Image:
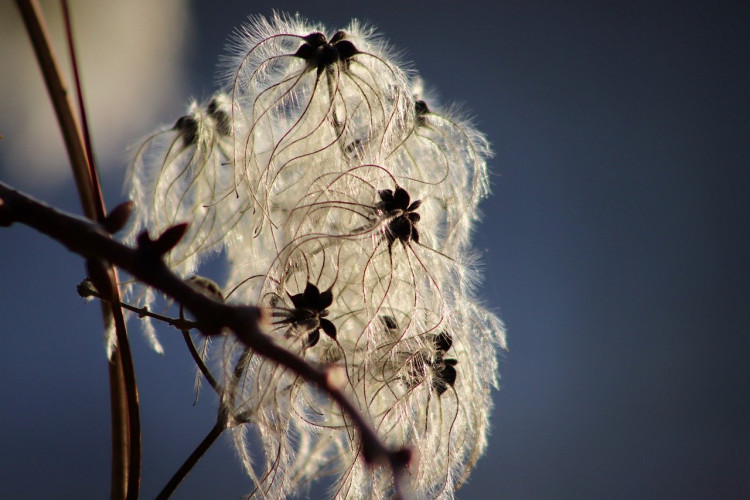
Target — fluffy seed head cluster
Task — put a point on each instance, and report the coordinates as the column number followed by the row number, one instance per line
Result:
column 343, row 202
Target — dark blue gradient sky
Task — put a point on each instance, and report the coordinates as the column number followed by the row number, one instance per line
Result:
column 615, row 248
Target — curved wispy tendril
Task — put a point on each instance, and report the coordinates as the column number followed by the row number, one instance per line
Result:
column 343, row 202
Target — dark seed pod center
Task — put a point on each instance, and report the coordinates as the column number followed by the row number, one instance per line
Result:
column 397, row 204
column 421, row 110
column 320, row 53
column 221, row 118
column 187, row 126
column 309, row 313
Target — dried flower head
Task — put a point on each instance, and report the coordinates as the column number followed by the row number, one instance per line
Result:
column 343, row 203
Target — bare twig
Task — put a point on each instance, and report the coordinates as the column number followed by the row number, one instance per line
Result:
column 33, row 19
column 201, row 366
column 145, row 263
column 179, row 323
column 86, row 289
column 82, row 106
column 197, row 454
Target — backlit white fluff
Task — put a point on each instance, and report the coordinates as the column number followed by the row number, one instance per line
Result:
column 343, row 202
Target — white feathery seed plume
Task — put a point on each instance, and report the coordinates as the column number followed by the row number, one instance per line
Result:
column 343, row 203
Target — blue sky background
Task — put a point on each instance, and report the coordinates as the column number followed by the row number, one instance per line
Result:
column 615, row 245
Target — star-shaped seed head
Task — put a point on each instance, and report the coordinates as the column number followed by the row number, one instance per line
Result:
column 320, row 53
column 309, row 313
column 402, row 225
column 187, row 128
column 221, row 118
column 444, row 373
column 421, row 109
column 442, row 369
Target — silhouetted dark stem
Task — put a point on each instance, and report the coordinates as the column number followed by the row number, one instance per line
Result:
column 212, row 316
column 126, row 431
column 193, row 459
column 201, row 365
column 58, row 93
column 198, row 361
column 87, row 142
column 182, row 324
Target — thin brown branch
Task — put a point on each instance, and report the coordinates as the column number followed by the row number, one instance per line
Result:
column 201, row 366
column 182, row 324
column 126, row 432
column 34, row 21
column 81, row 105
column 195, row 456
column 90, row 240
column 86, row 289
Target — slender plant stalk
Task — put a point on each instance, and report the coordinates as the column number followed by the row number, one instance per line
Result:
column 201, row 365
column 126, row 436
column 200, row 450
column 182, row 324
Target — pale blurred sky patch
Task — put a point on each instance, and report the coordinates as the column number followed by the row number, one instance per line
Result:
column 131, row 57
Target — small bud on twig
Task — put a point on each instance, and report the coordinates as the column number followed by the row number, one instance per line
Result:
column 404, row 458
column 165, row 242
column 86, row 289
column 207, row 287
column 118, row 217
column 336, row 377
